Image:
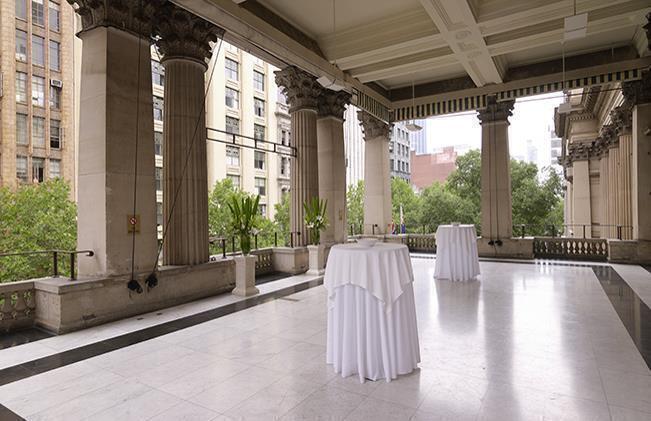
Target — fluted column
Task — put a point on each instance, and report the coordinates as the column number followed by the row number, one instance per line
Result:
column 332, row 163
column 184, row 40
column 116, row 139
column 612, row 153
column 581, row 204
column 377, row 176
column 604, row 179
column 621, row 117
column 496, row 211
column 302, row 92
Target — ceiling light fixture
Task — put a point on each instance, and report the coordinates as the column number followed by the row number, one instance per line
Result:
column 413, row 127
column 327, row 81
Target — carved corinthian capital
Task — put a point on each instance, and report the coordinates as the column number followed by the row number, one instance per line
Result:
column 183, row 34
column 495, row 111
column 622, row 119
column 332, row 103
column 373, row 127
column 609, row 135
column 133, row 16
column 301, row 88
column 638, row 91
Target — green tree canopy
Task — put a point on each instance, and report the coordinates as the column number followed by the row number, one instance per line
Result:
column 355, row 206
column 402, row 194
column 442, row 206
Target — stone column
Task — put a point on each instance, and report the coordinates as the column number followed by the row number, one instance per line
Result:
column 332, row 163
column 638, row 96
column 581, row 196
column 185, row 171
column 302, row 92
column 496, row 212
column 377, row 176
column 116, row 139
column 604, row 179
column 621, row 117
column 567, row 206
column 612, row 154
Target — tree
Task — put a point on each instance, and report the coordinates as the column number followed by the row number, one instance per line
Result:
column 403, row 195
column 442, row 206
column 465, row 180
column 36, row 217
column 355, row 206
column 281, row 219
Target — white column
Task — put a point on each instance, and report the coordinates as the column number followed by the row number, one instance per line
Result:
column 302, row 92
column 116, row 134
column 581, row 195
column 604, row 176
column 332, row 163
column 621, row 117
column 496, row 211
column 185, row 171
column 377, row 176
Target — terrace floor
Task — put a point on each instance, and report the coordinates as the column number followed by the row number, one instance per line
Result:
column 528, row 340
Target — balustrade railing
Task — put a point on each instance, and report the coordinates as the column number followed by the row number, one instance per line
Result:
column 422, row 243
column 264, row 264
column 570, row 248
column 17, row 305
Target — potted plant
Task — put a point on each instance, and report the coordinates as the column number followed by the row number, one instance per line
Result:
column 316, row 220
column 244, row 213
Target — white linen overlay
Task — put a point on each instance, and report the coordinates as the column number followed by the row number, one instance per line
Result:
column 456, row 253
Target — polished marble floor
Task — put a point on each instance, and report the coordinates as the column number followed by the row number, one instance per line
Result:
column 526, row 341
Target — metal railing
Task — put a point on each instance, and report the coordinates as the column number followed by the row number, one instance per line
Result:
column 55, row 258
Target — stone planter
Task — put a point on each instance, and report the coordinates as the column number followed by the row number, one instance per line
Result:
column 245, row 276
column 316, row 260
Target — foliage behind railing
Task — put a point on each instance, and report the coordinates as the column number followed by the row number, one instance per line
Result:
column 39, row 264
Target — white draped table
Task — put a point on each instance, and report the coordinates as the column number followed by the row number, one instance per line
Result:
column 456, row 252
column 372, row 328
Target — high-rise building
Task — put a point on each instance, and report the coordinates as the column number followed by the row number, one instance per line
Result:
column 419, row 139
column 399, row 152
column 36, row 93
column 242, row 99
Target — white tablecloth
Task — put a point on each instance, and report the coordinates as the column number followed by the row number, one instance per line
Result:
column 456, row 252
column 372, row 328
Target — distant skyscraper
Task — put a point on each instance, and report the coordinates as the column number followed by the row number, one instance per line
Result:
column 419, row 139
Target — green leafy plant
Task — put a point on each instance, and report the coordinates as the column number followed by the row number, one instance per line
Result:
column 315, row 218
column 244, row 212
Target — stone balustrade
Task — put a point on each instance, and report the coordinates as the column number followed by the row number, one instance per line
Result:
column 265, row 263
column 570, row 248
column 17, row 305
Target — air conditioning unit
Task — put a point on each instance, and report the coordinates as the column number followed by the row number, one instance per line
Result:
column 56, row 82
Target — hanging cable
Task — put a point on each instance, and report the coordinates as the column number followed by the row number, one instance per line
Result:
column 177, row 189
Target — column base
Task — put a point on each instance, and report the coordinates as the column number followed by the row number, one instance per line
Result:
column 317, row 255
column 245, row 276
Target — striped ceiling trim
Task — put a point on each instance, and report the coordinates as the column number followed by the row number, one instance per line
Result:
column 471, row 103
column 370, row 105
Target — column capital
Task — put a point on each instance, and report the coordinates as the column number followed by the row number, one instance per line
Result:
column 579, row 151
column 609, row 136
column 301, row 88
column 495, row 111
column 622, row 118
column 638, row 91
column 373, row 127
column 183, row 34
column 333, row 103
column 133, row 16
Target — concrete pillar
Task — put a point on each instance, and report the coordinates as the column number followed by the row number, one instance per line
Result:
column 638, row 97
column 302, row 92
column 377, row 177
column 613, row 184
column 332, row 163
column 621, row 117
column 496, row 211
column 567, row 207
column 604, row 179
column 581, row 198
column 116, row 136
column 185, row 171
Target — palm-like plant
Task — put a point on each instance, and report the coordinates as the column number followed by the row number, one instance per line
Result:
column 315, row 217
column 244, row 213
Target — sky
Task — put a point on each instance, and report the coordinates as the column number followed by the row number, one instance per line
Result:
column 532, row 119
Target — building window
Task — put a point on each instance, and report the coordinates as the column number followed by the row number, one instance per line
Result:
column 281, row 97
column 21, row 87
column 258, row 160
column 157, row 73
column 258, row 132
column 261, row 186
column 233, row 156
column 231, row 47
column 284, row 166
column 232, row 98
column 158, row 143
column 55, row 97
column 21, row 168
column 258, row 81
column 258, row 106
column 159, row 214
column 21, row 9
column 21, row 129
column 38, row 132
column 232, row 125
column 262, row 208
column 55, row 134
column 38, row 50
column 38, row 170
column 158, row 108
column 21, row 45
column 235, row 179
column 38, row 15
column 159, row 179
column 231, row 69
column 38, row 91
column 55, row 20
column 55, row 168
column 391, row 164
column 55, row 63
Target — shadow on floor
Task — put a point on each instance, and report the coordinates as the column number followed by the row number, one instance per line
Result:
column 268, row 277
column 7, row 340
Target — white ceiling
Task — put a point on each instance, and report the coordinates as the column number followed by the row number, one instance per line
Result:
column 395, row 42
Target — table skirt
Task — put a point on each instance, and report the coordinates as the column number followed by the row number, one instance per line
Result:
column 456, row 254
column 365, row 339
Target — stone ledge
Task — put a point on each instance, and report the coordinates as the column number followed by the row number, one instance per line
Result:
column 517, row 248
column 290, row 260
column 629, row 251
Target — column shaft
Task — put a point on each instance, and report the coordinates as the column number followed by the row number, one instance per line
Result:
column 377, row 181
column 581, row 195
column 613, row 184
column 185, row 172
column 624, row 188
column 641, row 172
column 115, row 114
column 332, row 176
column 604, row 179
column 496, row 212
